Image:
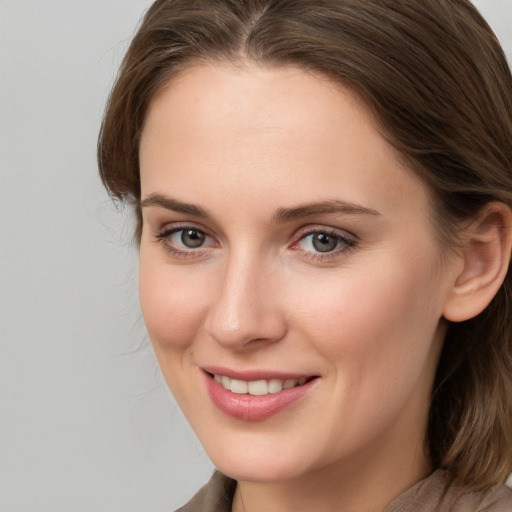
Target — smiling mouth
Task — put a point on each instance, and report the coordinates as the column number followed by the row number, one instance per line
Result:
column 258, row 387
column 257, row 399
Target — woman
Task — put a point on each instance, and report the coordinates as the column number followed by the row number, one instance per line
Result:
column 323, row 192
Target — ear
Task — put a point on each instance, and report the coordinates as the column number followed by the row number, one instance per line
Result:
column 485, row 260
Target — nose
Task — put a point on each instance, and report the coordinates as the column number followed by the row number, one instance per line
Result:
column 246, row 312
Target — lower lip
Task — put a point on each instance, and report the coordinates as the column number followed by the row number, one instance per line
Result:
column 251, row 407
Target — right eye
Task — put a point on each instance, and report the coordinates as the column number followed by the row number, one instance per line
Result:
column 190, row 238
column 185, row 241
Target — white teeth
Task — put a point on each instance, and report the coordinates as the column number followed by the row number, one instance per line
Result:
column 239, row 386
column 257, row 387
column 290, row 383
column 275, row 385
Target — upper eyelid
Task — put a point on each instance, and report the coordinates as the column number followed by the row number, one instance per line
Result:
column 312, row 229
column 173, row 227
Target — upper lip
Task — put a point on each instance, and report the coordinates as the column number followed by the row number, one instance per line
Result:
column 253, row 375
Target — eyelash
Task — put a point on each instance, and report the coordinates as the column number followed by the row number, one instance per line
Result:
column 347, row 243
column 163, row 238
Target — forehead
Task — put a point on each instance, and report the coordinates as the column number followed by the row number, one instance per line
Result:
column 265, row 128
column 251, row 101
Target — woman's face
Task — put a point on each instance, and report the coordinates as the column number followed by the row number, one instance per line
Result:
column 283, row 240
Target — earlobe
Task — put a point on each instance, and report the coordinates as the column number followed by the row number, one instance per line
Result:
column 486, row 256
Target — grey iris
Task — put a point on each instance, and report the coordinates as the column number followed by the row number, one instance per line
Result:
column 324, row 243
column 192, row 238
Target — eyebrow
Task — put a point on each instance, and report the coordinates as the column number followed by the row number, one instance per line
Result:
column 281, row 215
column 174, row 205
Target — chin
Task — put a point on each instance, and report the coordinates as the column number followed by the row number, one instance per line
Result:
column 257, row 461
column 264, row 471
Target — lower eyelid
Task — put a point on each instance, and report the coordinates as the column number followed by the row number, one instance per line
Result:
column 181, row 253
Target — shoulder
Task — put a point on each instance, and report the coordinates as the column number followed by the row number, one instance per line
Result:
column 435, row 493
column 438, row 493
column 215, row 496
column 498, row 499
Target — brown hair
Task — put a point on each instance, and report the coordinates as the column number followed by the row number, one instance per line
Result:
column 438, row 83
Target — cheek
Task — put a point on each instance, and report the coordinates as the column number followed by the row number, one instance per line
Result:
column 378, row 333
column 382, row 321
column 173, row 302
column 173, row 306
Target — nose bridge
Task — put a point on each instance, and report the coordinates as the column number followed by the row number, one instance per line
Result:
column 245, row 309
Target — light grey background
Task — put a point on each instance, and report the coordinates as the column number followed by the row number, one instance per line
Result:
column 85, row 421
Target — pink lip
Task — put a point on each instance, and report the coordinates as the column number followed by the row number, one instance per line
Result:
column 254, row 408
column 252, row 374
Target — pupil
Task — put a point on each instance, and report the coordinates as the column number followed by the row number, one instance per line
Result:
column 192, row 238
column 324, row 243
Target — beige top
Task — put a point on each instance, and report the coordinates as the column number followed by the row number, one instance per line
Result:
column 429, row 495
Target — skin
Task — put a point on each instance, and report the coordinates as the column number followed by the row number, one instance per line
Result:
column 366, row 318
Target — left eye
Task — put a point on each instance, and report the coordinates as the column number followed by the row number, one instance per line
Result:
column 323, row 242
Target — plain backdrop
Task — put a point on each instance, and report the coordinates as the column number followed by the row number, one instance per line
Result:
column 86, row 423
